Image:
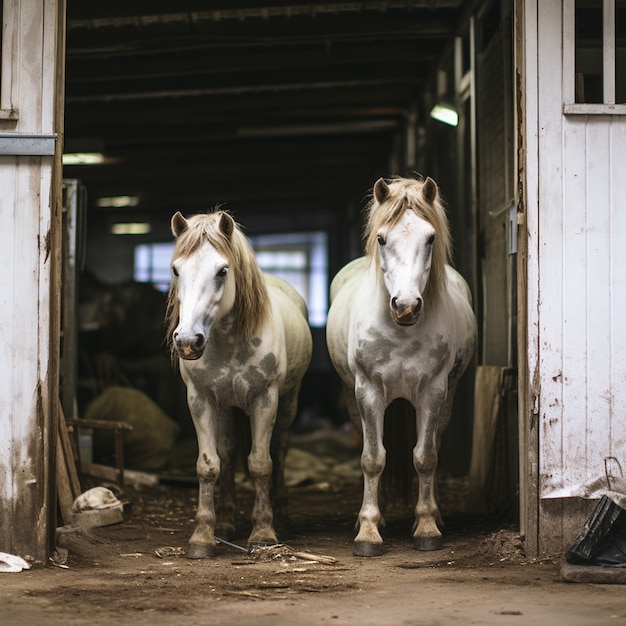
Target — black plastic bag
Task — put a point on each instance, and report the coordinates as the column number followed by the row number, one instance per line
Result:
column 602, row 540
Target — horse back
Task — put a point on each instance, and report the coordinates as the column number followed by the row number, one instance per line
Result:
column 290, row 312
column 462, row 321
column 279, row 286
column 346, row 274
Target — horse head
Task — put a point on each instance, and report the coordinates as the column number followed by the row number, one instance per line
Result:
column 203, row 287
column 405, row 223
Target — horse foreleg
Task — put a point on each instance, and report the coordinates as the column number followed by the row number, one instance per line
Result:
column 426, row 535
column 260, row 468
column 368, row 541
column 202, row 543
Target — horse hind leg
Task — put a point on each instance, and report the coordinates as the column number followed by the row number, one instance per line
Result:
column 229, row 438
column 286, row 415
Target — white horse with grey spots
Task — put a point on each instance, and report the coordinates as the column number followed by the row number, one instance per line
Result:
column 243, row 342
column 401, row 325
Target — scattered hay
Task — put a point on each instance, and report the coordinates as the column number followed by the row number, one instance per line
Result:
column 282, row 552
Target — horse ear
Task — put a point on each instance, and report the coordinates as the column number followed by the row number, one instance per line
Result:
column 429, row 190
column 381, row 190
column 227, row 225
column 179, row 224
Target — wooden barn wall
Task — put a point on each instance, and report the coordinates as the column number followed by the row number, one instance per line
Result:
column 494, row 194
column 29, row 254
column 575, row 217
column 493, row 472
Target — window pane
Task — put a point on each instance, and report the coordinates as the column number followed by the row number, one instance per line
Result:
column 302, row 260
column 589, row 51
column 620, row 51
column 299, row 258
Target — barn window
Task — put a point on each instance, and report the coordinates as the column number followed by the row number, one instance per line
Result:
column 9, row 19
column 6, row 57
column 594, row 56
column 300, row 258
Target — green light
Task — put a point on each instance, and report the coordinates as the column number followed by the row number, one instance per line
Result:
column 83, row 158
column 446, row 114
column 117, row 202
column 130, row 228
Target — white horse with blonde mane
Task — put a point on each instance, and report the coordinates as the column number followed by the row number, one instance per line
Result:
column 244, row 343
column 401, row 325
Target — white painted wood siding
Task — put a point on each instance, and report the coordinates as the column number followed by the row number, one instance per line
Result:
column 28, row 258
column 582, row 258
column 575, row 212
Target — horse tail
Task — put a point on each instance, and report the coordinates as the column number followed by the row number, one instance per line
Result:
column 399, row 438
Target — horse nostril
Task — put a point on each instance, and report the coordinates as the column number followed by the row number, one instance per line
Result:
column 418, row 306
column 394, row 302
column 199, row 340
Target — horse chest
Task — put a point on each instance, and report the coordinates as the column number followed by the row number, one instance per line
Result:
column 238, row 378
column 401, row 360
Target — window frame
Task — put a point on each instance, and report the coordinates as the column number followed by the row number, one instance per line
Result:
column 609, row 106
column 9, row 11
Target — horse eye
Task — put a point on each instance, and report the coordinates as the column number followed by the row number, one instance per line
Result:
column 381, row 240
column 431, row 240
column 222, row 272
column 174, row 271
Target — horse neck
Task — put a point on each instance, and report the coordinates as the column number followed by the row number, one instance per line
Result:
column 224, row 334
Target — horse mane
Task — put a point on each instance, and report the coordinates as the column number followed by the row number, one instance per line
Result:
column 251, row 297
column 406, row 194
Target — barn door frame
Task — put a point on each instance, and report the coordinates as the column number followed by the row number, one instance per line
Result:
column 31, row 122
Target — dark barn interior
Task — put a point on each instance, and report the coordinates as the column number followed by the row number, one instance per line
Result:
column 283, row 113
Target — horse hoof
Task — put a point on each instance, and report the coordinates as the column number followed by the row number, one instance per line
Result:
column 367, row 548
column 200, row 551
column 426, row 544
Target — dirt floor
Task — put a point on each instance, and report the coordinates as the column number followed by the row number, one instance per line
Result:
column 136, row 573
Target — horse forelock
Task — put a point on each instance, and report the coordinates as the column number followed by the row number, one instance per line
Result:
column 406, row 194
column 251, row 297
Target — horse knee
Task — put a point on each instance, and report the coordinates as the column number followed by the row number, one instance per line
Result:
column 425, row 462
column 207, row 469
column 259, row 468
column 373, row 463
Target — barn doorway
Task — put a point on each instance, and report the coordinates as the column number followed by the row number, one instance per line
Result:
column 299, row 164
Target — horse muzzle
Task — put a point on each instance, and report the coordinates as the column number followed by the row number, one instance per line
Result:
column 190, row 348
column 406, row 315
column 406, row 318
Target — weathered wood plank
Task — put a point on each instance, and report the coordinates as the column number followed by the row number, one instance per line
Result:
column 28, row 352
column 63, row 484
